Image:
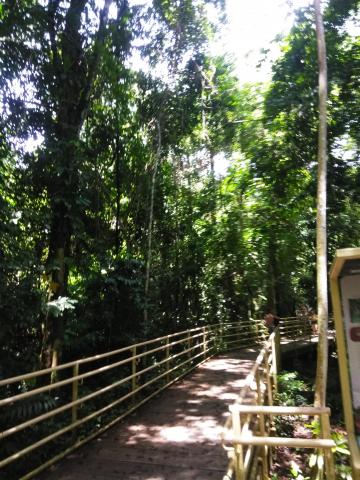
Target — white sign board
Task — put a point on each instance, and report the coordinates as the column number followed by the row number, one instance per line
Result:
column 350, row 294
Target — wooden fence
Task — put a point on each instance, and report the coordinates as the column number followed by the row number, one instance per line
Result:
column 59, row 409
column 47, row 414
column 246, row 434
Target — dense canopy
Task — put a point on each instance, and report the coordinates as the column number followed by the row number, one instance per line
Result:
column 115, row 224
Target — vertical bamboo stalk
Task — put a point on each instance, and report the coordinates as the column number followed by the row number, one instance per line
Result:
column 238, row 449
column 274, row 366
column 259, row 401
column 204, row 341
column 133, row 369
column 269, row 402
column 278, row 350
column 328, row 454
column 268, row 380
column 167, row 363
column 221, row 336
column 75, row 393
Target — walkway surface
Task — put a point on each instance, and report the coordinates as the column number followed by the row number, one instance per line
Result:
column 173, row 437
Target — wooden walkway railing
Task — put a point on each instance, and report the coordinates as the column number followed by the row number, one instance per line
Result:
column 246, row 435
column 59, row 409
column 47, row 414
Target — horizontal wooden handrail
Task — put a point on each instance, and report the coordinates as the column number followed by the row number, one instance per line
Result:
column 97, row 371
column 279, row 410
column 163, row 364
column 81, row 361
column 282, row 442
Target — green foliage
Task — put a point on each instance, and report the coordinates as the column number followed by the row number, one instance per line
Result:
column 28, row 409
column 296, row 472
column 60, row 305
column 74, row 210
column 341, row 452
column 293, row 391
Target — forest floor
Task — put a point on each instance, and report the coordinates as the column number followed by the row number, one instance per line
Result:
column 295, row 463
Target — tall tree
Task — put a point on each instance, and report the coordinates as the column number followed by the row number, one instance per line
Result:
column 321, row 231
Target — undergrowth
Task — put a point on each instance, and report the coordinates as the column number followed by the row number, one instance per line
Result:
column 296, row 463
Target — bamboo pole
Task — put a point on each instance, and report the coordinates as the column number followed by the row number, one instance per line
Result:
column 75, row 393
column 259, row 401
column 167, row 354
column 283, row 442
column 328, row 454
column 238, row 449
column 133, row 370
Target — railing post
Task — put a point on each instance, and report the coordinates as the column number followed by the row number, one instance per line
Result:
column 75, row 393
column 268, row 380
column 188, row 344
column 278, row 349
column 328, row 454
column 238, row 449
column 274, row 365
column 133, row 369
column 167, row 363
column 204, row 341
column 269, row 401
column 259, row 401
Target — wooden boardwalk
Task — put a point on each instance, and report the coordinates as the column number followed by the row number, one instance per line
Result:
column 175, row 436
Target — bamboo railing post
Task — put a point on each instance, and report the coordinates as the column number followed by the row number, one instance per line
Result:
column 204, row 341
column 275, row 359
column 133, row 369
column 269, row 402
column 188, row 342
column 238, row 449
column 328, row 454
column 75, row 393
column 277, row 349
column 259, row 401
column 268, row 379
column 167, row 364
column 307, row 327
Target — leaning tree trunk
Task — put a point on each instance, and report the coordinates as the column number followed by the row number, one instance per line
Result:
column 321, row 246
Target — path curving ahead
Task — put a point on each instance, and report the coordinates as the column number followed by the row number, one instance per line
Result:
column 175, row 436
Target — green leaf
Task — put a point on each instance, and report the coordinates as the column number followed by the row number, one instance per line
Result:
column 312, row 460
column 57, row 307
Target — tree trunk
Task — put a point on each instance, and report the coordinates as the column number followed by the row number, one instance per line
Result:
column 118, row 155
column 74, row 70
column 321, row 244
column 150, row 225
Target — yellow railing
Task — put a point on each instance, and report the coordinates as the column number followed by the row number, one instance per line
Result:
column 59, row 409
column 89, row 395
column 246, row 435
column 296, row 328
